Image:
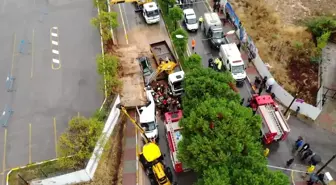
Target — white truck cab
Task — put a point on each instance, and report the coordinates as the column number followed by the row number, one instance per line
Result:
column 148, row 117
column 151, row 13
column 232, row 61
column 175, row 82
column 190, row 19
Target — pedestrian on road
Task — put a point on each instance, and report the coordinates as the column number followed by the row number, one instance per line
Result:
column 238, row 45
column 193, row 44
column 310, row 170
column 260, row 90
column 304, row 148
column 289, row 162
column 200, row 20
column 263, row 83
column 266, row 152
column 210, row 63
column 218, row 7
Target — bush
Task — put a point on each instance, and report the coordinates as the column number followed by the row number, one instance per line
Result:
column 320, row 25
column 175, row 14
column 193, row 62
column 107, row 20
column 180, row 43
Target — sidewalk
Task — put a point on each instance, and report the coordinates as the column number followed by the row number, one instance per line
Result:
column 129, row 157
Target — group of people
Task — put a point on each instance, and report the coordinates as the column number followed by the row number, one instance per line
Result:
column 164, row 99
column 216, row 64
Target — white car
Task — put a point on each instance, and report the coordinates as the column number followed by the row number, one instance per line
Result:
column 190, row 19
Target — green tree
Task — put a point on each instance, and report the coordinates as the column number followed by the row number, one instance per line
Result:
column 202, row 83
column 179, row 42
column 322, row 41
column 108, row 21
column 194, row 61
column 235, row 133
column 175, row 15
column 320, row 25
column 214, row 176
column 107, row 67
column 79, row 141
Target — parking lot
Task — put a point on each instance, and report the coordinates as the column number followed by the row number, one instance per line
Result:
column 48, row 68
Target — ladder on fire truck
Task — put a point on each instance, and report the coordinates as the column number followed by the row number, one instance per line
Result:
column 274, row 118
column 171, row 129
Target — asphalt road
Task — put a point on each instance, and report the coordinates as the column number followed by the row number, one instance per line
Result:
column 46, row 95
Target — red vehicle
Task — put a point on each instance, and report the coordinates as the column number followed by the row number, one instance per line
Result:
column 173, row 135
column 274, row 124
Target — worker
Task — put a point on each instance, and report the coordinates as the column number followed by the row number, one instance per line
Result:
column 210, row 63
column 200, row 21
column 289, row 162
column 266, row 152
column 219, row 64
column 193, row 44
column 310, row 170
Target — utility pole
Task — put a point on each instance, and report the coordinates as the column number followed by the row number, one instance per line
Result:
column 296, row 95
column 326, row 164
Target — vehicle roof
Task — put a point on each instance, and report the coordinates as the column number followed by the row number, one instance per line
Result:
column 213, row 17
column 150, row 6
column 176, row 76
column 232, row 52
column 190, row 13
column 148, row 113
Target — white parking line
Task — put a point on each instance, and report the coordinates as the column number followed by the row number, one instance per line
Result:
column 54, row 42
column 55, row 52
column 54, row 34
column 56, row 61
column 54, row 39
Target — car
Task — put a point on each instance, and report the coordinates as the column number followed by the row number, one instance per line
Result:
column 190, row 19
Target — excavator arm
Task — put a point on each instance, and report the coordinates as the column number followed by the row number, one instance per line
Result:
column 164, row 66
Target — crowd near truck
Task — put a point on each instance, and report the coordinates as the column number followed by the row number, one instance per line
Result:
column 274, row 125
column 166, row 62
column 173, row 135
column 232, row 61
column 213, row 30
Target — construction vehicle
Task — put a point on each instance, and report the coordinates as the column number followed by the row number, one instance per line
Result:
column 213, row 30
column 232, row 61
column 148, row 9
column 166, row 62
column 174, row 136
column 151, row 158
column 274, row 125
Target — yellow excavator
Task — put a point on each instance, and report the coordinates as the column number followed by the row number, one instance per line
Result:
column 151, row 158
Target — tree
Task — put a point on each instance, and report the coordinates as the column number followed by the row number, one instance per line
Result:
column 215, row 176
column 175, row 15
column 107, row 67
column 179, row 42
column 320, row 25
column 108, row 21
column 78, row 141
column 194, row 61
column 216, row 130
column 201, row 83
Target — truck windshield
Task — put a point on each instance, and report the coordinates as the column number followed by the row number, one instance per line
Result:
column 152, row 13
column 192, row 21
column 217, row 35
column 237, row 69
column 150, row 126
column 177, row 85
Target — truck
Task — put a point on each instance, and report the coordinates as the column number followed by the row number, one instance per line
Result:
column 232, row 61
column 166, row 61
column 149, row 10
column 213, row 30
column 274, row 125
column 173, row 135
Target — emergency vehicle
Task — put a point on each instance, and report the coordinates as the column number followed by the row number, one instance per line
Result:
column 173, row 134
column 274, row 124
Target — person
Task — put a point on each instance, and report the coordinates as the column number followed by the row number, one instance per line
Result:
column 289, row 162
column 217, row 7
column 297, row 111
column 238, row 46
column 242, row 101
column 210, row 62
column 298, row 143
column 266, row 152
column 200, row 21
column 263, row 83
column 304, row 148
column 219, row 64
column 193, row 44
column 260, row 90
column 310, row 169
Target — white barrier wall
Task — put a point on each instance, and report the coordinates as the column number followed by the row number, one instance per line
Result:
column 88, row 173
column 283, row 96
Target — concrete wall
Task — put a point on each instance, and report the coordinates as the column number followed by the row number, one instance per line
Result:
column 88, row 173
column 283, row 96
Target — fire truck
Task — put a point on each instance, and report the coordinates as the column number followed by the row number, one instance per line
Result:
column 274, row 124
column 173, row 134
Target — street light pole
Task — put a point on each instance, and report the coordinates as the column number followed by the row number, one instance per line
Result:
column 291, row 103
column 326, row 164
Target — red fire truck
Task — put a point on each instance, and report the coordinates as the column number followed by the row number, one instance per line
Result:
column 173, row 135
column 274, row 124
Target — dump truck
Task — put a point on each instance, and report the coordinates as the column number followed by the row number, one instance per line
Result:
column 167, row 63
column 274, row 124
column 213, row 30
column 173, row 135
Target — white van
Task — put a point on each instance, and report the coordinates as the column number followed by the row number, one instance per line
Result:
column 148, row 118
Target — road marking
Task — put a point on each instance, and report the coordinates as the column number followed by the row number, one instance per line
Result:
column 13, row 55
column 30, row 143
column 54, row 40
column 33, row 50
column 4, row 155
column 123, row 22
column 55, row 135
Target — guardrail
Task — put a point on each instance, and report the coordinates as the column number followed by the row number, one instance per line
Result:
column 282, row 95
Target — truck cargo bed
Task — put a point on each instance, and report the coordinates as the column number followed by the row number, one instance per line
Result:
column 161, row 51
